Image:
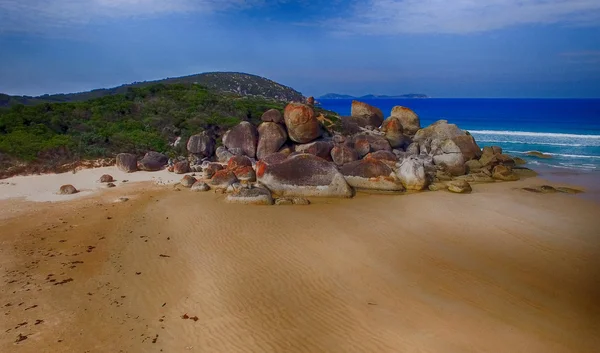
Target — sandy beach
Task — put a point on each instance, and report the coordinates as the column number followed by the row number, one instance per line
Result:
column 498, row 270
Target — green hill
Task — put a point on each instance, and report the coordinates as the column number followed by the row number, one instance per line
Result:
column 219, row 82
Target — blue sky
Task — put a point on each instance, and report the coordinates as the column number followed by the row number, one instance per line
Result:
column 459, row 48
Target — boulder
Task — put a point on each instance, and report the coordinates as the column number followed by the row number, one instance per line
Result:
column 378, row 143
column 223, row 178
column 187, row 181
column 272, row 116
column 67, row 190
column 223, row 154
column 497, row 149
column 342, row 154
column 153, row 161
column 437, row 186
column 504, row 173
column 301, row 122
column 286, row 201
column 408, row 119
column 245, row 174
column 366, row 114
column 440, row 130
column 466, row 145
column 238, row 161
column 459, row 187
column 413, row 149
column 254, row 196
column 271, row 137
column 412, row 174
column 361, row 145
column 209, row 170
column 110, row 185
column 243, row 137
column 310, row 100
column 181, row 167
column 200, row 186
column 394, row 133
column 453, row 163
column 126, row 162
column 275, row 158
column 287, row 149
column 302, row 176
column 473, row 166
column 386, row 157
column 371, row 174
column 318, row 148
column 479, row 177
column 201, row 144
column 106, row 178
column 519, row 161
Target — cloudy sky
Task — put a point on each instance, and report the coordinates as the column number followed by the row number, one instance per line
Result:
column 458, row 48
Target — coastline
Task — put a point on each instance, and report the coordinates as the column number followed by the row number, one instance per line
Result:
column 497, row 270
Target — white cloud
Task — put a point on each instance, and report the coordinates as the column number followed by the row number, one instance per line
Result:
column 464, row 16
column 34, row 15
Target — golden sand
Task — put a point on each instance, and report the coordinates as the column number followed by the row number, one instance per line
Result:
column 499, row 270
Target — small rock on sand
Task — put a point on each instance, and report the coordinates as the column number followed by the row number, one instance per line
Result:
column 68, row 190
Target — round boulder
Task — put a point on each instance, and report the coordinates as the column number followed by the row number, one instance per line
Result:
column 201, row 144
column 342, row 154
column 318, row 148
column 223, row 178
column 200, row 186
column 301, row 123
column 368, row 114
column 126, row 162
column 412, row 174
column 67, row 190
column 106, row 178
column 271, row 136
column 238, row 161
column 244, row 137
column 187, row 181
column 153, row 161
column 181, row 167
column 371, row 174
column 273, row 116
column 408, row 119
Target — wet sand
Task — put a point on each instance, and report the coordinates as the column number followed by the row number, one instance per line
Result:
column 499, row 270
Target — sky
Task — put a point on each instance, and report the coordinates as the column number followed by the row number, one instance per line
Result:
column 442, row 48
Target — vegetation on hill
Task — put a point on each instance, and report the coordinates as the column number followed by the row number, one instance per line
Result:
column 219, row 82
column 141, row 119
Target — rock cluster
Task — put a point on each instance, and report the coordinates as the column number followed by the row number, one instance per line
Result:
column 292, row 155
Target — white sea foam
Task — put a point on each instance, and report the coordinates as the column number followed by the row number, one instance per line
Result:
column 533, row 134
column 557, row 154
column 537, row 143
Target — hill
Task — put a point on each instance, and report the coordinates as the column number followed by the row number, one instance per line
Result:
column 219, row 82
column 372, row 96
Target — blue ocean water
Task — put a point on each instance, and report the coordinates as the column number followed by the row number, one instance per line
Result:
column 567, row 129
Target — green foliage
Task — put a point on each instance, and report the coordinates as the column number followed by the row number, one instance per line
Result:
column 138, row 120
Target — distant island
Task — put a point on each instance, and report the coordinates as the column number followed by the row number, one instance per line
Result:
column 372, row 96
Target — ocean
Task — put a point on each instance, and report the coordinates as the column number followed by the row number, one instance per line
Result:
column 566, row 129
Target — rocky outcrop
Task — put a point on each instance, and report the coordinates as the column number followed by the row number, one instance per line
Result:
column 412, row 174
column 301, row 122
column 271, row 137
column 342, row 154
column 318, row 148
column 371, row 174
column 272, row 116
column 366, row 115
column 303, row 175
column 153, row 161
column 408, row 119
column 202, row 145
column 67, row 190
column 254, row 196
column 243, row 137
column 126, row 162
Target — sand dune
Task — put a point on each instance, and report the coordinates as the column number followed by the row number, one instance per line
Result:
column 499, row 270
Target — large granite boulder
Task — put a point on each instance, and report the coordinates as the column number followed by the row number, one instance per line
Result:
column 342, row 154
column 303, row 175
column 243, row 137
column 153, row 161
column 408, row 119
column 106, row 178
column 201, row 144
column 275, row 158
column 412, row 174
column 210, row 169
column 187, row 181
column 378, row 143
column 440, row 130
column 384, row 156
column 450, row 157
column 361, row 145
column 253, row 196
column 271, row 136
column 273, row 116
column 126, row 162
column 301, row 122
column 238, row 161
column 371, row 174
column 318, row 148
column 366, row 114
column 464, row 144
column 245, row 174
